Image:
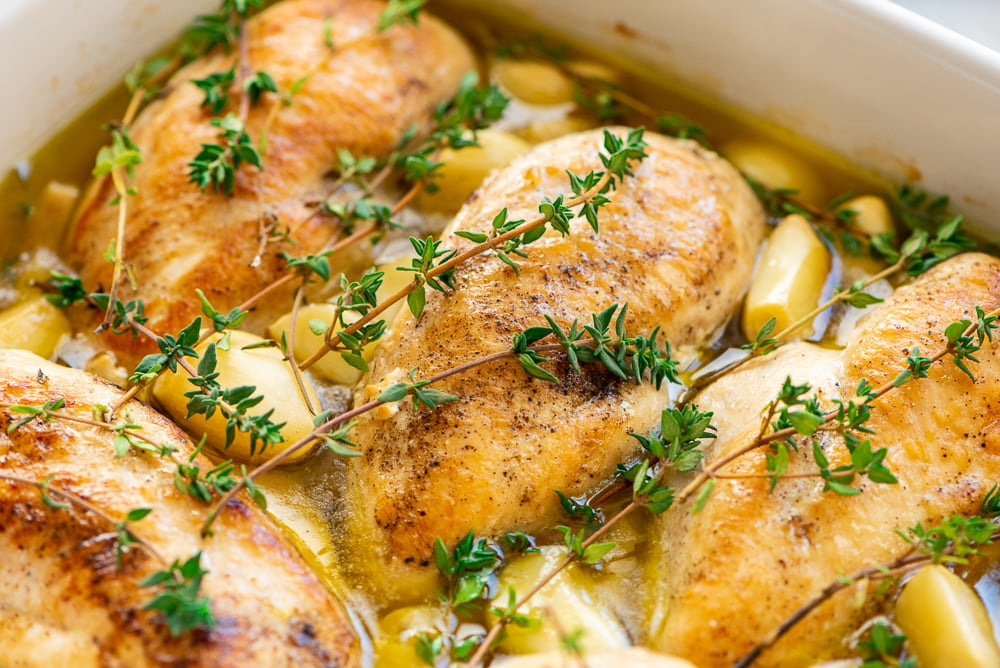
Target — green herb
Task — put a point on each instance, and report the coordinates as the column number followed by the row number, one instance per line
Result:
column 220, row 322
column 430, row 255
column 953, row 540
column 762, row 343
column 589, row 517
column 604, row 106
column 145, row 74
column 43, row 412
column 125, row 538
column 216, row 87
column 466, row 570
column 883, row 649
column 400, row 12
column 121, row 153
column 632, row 358
column 924, row 249
column 678, row 126
column 179, row 600
column 216, row 164
column 518, row 542
column 588, row 554
column 921, row 211
column 257, row 84
column 422, row 395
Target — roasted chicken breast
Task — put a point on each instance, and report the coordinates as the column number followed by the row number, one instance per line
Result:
column 65, row 603
column 677, row 245
column 361, row 95
column 633, row 657
column 729, row 575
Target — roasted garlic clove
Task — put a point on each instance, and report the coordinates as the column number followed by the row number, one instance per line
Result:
column 789, row 278
column 464, row 169
column 33, row 324
column 533, row 81
column 944, row 621
column 562, row 607
column 311, row 323
column 396, row 644
column 314, row 320
column 52, row 215
column 543, row 130
column 872, row 214
column 776, row 168
column 268, row 371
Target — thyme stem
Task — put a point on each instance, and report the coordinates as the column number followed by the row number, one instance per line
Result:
column 903, row 564
column 494, row 632
column 343, row 418
column 837, row 298
column 77, row 500
column 477, row 249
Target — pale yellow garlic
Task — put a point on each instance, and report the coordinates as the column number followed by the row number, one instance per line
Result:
column 396, row 643
column 563, row 606
column 789, row 278
column 105, row 365
column 544, row 130
column 776, row 168
column 533, row 81
column 393, row 280
column 306, row 342
column 591, row 69
column 332, row 366
column 263, row 368
column 944, row 621
column 51, row 214
column 872, row 214
column 631, row 657
column 33, row 324
column 464, row 169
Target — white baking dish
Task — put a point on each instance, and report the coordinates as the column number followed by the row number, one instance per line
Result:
column 871, row 80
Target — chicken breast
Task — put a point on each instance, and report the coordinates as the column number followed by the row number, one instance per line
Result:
column 677, row 245
column 360, row 96
column 729, row 575
column 633, row 657
column 64, row 602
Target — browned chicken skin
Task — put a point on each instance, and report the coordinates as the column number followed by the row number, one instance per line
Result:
column 677, row 244
column 362, row 96
column 64, row 603
column 729, row 575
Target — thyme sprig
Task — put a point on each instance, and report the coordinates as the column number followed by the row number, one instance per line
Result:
column 793, row 413
column 952, row 540
column 118, row 161
column 631, row 358
column 883, row 648
column 845, row 419
column 919, row 253
column 430, row 398
column 467, row 570
column 618, row 157
column 178, row 597
column 174, row 354
column 188, row 478
column 400, row 12
column 216, row 164
column 125, row 536
column 682, row 432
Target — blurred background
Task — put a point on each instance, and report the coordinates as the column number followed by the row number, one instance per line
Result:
column 977, row 19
